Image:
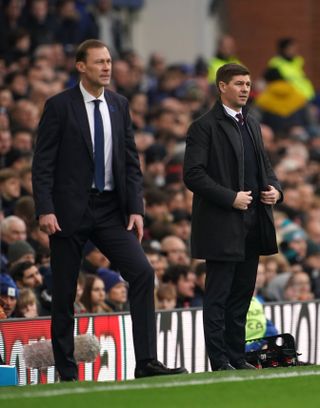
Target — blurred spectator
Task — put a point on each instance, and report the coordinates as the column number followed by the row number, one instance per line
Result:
column 94, row 295
column 225, row 54
column 157, row 261
column 26, row 181
column 156, row 68
column 5, row 146
column 166, row 297
column 93, row 259
column 10, row 189
column 6, row 98
column 78, row 305
column 156, row 208
column 175, row 250
column 40, row 23
column 183, row 280
column 72, row 27
column 27, row 304
column 24, row 209
column 290, row 65
column 298, row 288
column 19, row 252
column 116, row 290
column 12, row 229
column 10, row 20
column 154, row 164
column 281, row 104
column 38, row 239
column 294, row 245
column 181, row 224
column 200, row 274
column 8, row 294
column 273, row 266
column 25, row 114
column 22, row 139
column 26, row 275
column 110, row 28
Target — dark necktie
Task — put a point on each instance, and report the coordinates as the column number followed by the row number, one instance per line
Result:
column 240, row 118
column 99, row 170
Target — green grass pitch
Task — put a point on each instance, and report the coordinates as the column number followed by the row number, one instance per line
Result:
column 296, row 387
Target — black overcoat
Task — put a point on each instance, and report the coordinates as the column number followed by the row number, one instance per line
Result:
column 214, row 172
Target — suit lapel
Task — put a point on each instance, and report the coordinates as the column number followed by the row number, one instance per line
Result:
column 82, row 118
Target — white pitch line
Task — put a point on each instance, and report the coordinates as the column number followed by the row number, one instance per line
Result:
column 127, row 387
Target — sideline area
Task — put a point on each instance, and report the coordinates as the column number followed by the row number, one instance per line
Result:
column 298, row 384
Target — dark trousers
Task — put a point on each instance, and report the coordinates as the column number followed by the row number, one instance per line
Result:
column 228, row 291
column 103, row 225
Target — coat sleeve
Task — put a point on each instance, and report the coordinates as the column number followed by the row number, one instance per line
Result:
column 134, row 177
column 44, row 160
column 195, row 171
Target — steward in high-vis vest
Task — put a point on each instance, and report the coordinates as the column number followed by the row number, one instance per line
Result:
column 257, row 325
column 290, row 65
column 225, row 55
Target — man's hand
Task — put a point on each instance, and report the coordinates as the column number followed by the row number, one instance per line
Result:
column 136, row 222
column 271, row 196
column 49, row 224
column 242, row 200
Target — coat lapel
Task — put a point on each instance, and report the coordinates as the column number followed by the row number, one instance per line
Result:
column 82, row 118
column 234, row 138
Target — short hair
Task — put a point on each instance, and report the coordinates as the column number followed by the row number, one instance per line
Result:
column 17, row 271
column 6, row 223
column 174, row 273
column 26, row 297
column 81, row 53
column 8, row 173
column 166, row 291
column 200, row 269
column 228, row 71
column 284, row 43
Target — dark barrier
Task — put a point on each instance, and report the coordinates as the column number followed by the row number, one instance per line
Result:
column 180, row 340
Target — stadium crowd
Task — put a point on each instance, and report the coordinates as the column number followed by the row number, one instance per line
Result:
column 38, row 39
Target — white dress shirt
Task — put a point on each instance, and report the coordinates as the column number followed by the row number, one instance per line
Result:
column 88, row 101
column 231, row 112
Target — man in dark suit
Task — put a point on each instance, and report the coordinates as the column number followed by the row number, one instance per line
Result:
column 234, row 189
column 87, row 184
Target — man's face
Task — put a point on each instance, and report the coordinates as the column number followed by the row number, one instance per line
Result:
column 11, row 187
column 23, row 141
column 235, row 94
column 96, row 69
column 8, row 303
column 32, row 278
column 16, row 232
column 185, row 285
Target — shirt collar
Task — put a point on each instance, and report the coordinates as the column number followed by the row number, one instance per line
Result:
column 88, row 97
column 230, row 111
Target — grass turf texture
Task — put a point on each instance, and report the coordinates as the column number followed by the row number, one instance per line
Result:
column 268, row 388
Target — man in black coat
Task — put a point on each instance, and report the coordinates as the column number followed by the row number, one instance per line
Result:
column 87, row 184
column 234, row 189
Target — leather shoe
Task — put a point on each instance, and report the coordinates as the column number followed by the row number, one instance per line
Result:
column 154, row 367
column 224, row 367
column 244, row 365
